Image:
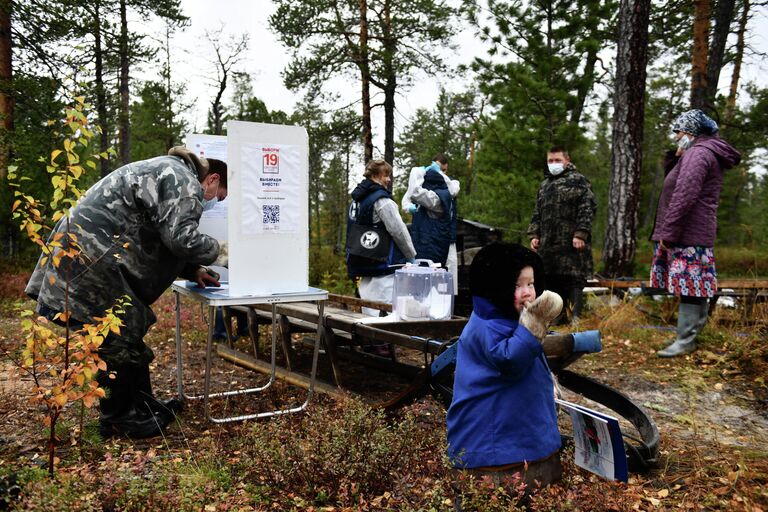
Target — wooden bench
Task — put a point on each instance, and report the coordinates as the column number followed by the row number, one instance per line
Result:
column 750, row 291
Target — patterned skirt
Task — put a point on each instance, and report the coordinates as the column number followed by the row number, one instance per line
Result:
column 688, row 271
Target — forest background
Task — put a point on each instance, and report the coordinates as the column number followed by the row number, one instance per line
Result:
column 548, row 73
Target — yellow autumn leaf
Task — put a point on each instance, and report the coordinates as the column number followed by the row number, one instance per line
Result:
column 60, row 399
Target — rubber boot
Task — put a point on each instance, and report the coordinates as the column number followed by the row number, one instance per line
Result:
column 147, row 399
column 576, row 301
column 119, row 413
column 691, row 318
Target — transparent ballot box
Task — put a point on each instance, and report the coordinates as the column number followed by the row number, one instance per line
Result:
column 423, row 292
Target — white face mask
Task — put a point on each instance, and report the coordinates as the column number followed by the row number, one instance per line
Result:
column 555, row 169
column 684, row 142
column 210, row 203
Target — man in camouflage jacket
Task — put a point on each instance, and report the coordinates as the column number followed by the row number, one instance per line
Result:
column 137, row 231
column 561, row 229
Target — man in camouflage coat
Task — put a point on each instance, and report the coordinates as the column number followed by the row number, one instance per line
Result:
column 137, row 230
column 561, row 229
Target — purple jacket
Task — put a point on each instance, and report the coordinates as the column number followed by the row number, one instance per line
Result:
column 687, row 211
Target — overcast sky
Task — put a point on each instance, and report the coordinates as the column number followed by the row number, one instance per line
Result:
column 266, row 59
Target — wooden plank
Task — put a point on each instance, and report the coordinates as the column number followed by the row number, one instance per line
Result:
column 297, row 379
column 357, row 302
column 746, row 284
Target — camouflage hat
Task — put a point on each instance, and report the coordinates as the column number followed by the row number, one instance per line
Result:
column 695, row 122
column 198, row 162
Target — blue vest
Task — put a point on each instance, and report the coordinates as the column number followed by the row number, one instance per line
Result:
column 360, row 211
column 433, row 237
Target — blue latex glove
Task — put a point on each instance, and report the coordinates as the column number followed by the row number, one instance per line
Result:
column 587, row 341
column 412, row 261
column 413, row 208
column 433, row 167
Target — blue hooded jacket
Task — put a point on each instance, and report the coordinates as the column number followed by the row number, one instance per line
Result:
column 503, row 408
column 432, row 237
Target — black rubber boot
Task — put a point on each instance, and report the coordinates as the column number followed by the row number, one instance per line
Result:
column 119, row 413
column 576, row 301
column 146, row 399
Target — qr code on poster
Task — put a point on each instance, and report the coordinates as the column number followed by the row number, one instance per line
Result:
column 271, row 213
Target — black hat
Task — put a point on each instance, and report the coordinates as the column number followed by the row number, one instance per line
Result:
column 495, row 269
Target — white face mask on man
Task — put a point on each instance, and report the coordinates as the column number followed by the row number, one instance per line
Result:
column 555, row 169
column 210, row 203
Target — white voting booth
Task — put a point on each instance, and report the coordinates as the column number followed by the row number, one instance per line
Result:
column 267, row 226
column 265, row 221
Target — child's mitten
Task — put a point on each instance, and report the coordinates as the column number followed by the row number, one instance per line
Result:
column 537, row 316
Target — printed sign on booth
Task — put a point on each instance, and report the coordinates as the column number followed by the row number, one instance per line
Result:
column 271, row 188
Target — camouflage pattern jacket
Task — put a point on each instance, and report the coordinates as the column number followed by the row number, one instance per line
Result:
column 565, row 208
column 137, row 230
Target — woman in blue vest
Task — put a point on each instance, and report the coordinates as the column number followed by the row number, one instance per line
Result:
column 372, row 206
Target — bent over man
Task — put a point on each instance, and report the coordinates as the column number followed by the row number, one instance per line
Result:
column 137, row 230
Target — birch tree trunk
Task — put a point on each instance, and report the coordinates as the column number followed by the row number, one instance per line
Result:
column 626, row 153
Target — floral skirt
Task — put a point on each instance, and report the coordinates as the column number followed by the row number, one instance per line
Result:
column 688, row 271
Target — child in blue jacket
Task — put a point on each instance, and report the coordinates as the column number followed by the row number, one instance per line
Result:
column 502, row 419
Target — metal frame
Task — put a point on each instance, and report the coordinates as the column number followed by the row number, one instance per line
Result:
column 215, row 297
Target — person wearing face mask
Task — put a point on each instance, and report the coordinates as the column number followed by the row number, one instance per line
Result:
column 561, row 230
column 137, row 231
column 686, row 223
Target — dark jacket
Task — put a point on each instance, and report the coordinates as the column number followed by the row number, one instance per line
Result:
column 565, row 208
column 503, row 408
column 138, row 231
column 364, row 197
column 687, row 211
column 432, row 236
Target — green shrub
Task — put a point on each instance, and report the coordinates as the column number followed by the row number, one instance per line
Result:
column 67, row 492
column 340, row 455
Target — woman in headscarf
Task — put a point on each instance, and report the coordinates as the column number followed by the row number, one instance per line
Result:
column 686, row 224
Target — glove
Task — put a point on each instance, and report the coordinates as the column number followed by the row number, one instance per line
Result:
column 223, row 258
column 412, row 261
column 413, row 208
column 433, row 167
column 205, row 276
column 537, row 315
